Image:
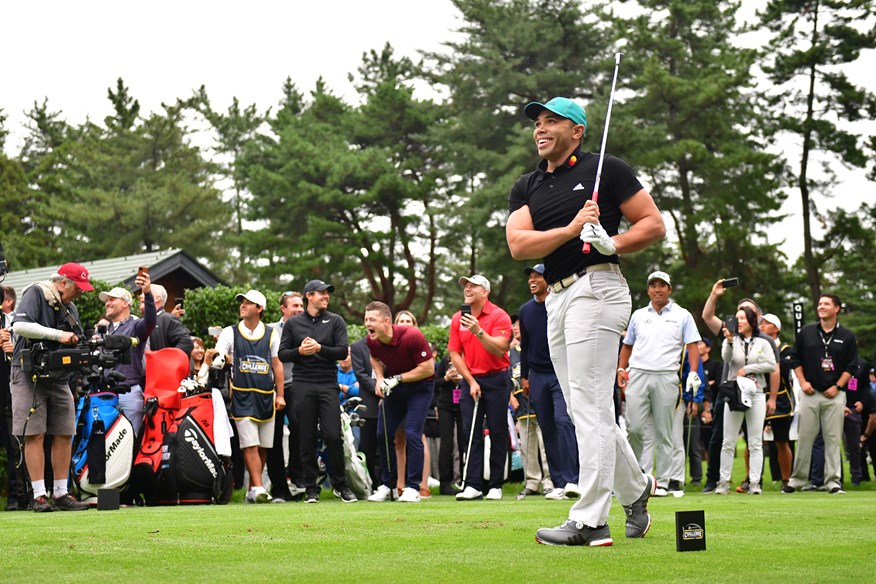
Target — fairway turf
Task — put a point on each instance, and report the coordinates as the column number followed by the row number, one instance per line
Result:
column 813, row 537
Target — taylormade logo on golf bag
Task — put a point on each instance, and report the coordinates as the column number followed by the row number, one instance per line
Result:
column 115, row 444
column 192, row 439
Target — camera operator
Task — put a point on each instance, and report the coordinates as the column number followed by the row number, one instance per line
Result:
column 43, row 403
column 121, row 322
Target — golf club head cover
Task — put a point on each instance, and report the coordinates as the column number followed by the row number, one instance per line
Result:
column 595, row 235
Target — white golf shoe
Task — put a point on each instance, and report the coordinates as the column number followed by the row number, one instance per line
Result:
column 381, row 494
column 469, row 494
column 556, row 494
column 409, row 495
column 494, row 494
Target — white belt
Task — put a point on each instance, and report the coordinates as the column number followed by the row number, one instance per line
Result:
column 569, row 280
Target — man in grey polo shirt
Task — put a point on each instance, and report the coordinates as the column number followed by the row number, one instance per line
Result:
column 652, row 349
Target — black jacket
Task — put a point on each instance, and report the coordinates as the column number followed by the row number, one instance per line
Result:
column 326, row 328
column 362, row 367
column 170, row 332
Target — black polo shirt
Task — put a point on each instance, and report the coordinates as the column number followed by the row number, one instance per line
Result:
column 554, row 198
column 813, row 346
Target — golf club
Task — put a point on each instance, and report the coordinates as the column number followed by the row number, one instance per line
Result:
column 386, row 442
column 522, row 494
column 474, row 419
column 617, row 59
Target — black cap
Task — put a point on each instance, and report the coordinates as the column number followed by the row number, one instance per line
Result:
column 317, row 286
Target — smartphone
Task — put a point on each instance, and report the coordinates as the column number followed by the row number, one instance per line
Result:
column 178, row 302
column 730, row 282
column 143, row 271
column 732, row 324
column 465, row 308
column 214, row 331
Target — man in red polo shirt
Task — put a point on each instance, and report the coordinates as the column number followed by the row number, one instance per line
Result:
column 404, row 369
column 478, row 347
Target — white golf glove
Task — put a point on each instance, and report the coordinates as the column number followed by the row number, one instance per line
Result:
column 595, row 235
column 693, row 382
column 388, row 384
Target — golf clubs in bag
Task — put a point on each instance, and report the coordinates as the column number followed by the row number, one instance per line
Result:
column 103, row 447
column 355, row 467
column 178, row 460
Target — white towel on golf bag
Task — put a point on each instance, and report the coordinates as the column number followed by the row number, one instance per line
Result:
column 221, row 425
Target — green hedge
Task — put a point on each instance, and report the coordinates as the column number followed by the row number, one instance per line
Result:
column 206, row 307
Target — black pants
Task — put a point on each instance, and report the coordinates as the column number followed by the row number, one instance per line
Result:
column 713, row 470
column 449, row 423
column 495, row 393
column 318, row 404
column 275, row 461
column 15, row 478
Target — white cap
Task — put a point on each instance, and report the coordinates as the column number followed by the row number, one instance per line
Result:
column 658, row 275
column 773, row 320
column 117, row 293
column 477, row 280
column 253, row 296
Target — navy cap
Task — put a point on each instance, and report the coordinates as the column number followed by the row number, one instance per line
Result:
column 562, row 106
column 538, row 268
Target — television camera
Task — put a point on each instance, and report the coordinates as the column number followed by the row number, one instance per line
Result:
column 88, row 361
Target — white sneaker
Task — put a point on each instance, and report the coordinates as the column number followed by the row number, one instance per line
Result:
column 556, row 495
column 409, row 495
column 433, row 483
column 380, row 495
column 723, row 488
column 570, row 491
column 469, row 494
column 494, row 494
column 661, row 492
column 260, row 495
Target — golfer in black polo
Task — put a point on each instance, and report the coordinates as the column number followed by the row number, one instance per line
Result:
column 315, row 341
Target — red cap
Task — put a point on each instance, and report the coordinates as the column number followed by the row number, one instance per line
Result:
column 78, row 274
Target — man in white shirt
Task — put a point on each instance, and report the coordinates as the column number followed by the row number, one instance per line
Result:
column 648, row 371
column 256, row 386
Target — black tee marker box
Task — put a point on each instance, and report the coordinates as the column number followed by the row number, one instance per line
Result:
column 107, row 499
column 690, row 531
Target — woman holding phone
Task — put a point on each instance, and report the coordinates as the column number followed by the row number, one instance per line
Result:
column 751, row 356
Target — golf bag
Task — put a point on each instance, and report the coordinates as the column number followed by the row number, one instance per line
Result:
column 178, row 461
column 355, row 468
column 103, row 447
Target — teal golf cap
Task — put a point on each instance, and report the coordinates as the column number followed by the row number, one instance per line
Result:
column 562, row 106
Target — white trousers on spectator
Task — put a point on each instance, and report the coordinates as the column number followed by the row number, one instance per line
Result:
column 652, row 401
column 535, row 466
column 753, row 417
column 585, row 322
column 819, row 413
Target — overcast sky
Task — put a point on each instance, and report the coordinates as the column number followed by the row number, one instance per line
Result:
column 71, row 52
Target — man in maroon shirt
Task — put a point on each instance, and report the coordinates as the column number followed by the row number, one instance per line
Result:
column 403, row 367
column 478, row 347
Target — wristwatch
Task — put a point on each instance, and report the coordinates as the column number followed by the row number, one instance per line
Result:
column 480, row 334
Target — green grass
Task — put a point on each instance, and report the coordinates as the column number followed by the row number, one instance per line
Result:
column 811, row 536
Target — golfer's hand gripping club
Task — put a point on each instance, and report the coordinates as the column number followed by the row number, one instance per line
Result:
column 388, row 384
column 693, row 382
column 594, row 234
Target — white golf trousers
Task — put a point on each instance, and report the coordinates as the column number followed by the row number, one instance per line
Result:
column 585, row 322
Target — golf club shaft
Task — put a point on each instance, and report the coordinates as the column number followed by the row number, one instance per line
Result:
column 474, row 418
column 386, row 442
column 617, row 59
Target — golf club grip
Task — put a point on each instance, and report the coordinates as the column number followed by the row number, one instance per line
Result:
column 585, row 248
